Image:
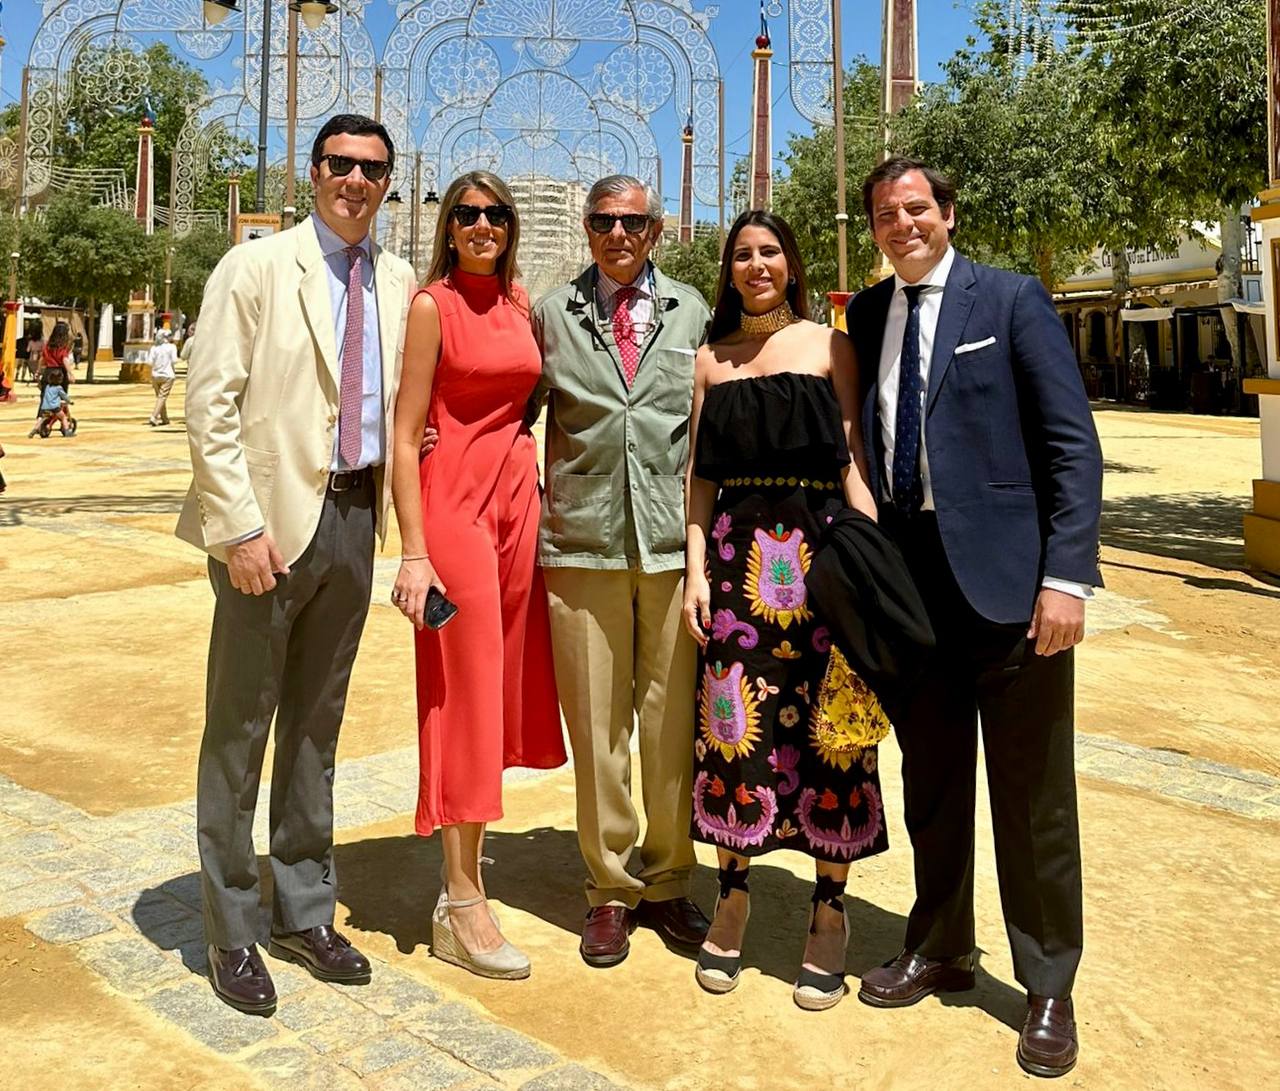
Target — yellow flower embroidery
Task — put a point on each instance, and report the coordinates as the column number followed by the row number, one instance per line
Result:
column 847, row 717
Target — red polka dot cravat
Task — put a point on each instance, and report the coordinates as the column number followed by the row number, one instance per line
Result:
column 624, row 333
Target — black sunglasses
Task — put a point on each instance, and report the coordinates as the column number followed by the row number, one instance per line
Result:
column 632, row 223
column 375, row 170
column 497, row 215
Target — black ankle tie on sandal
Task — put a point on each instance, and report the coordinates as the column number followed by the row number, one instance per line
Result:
column 825, row 890
column 732, row 879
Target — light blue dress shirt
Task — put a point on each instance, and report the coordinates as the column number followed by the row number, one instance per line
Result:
column 372, row 422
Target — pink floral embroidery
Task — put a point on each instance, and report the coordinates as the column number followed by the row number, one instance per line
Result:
column 724, row 524
column 849, row 840
column 724, row 623
column 822, row 639
column 784, row 761
column 730, row 830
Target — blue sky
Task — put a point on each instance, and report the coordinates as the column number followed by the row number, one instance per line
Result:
column 944, row 24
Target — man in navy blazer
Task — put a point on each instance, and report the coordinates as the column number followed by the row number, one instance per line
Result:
column 989, row 477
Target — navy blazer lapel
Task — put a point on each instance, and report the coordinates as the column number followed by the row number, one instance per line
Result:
column 867, row 331
column 957, row 302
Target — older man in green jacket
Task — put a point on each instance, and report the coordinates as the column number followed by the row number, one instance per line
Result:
column 617, row 376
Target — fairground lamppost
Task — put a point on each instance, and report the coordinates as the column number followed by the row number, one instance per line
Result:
column 313, row 13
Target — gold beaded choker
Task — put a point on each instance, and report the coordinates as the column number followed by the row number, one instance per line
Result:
column 761, row 325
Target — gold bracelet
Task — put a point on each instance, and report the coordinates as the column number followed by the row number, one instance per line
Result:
column 422, row 557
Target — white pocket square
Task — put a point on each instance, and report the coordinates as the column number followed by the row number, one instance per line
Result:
column 973, row 346
column 694, row 352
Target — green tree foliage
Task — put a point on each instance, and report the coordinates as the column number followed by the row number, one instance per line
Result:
column 195, row 255
column 696, row 263
column 94, row 134
column 81, row 251
column 1181, row 99
column 806, row 196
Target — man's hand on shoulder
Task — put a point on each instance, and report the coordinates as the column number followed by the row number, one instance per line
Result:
column 1058, row 622
column 253, row 565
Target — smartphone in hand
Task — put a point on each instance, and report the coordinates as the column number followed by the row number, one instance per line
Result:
column 439, row 610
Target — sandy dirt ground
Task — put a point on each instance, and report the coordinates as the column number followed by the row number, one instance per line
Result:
column 105, row 620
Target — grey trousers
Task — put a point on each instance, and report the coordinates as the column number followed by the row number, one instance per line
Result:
column 287, row 653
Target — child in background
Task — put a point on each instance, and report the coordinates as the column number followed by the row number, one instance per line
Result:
column 53, row 404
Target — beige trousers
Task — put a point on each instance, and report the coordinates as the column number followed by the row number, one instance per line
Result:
column 622, row 657
column 161, row 387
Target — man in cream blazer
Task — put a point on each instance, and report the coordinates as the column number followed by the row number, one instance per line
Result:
column 290, row 398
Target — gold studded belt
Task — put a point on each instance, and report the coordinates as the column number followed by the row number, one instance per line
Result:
column 780, row 482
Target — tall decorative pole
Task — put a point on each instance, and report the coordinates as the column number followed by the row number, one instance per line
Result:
column 720, row 103
column 1262, row 524
column 288, row 210
column 761, row 121
column 264, row 104
column 900, row 61
column 899, row 68
column 233, row 208
column 139, row 325
column 837, row 113
column 686, row 184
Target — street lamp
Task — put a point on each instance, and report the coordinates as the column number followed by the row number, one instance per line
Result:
column 217, row 10
column 313, row 14
column 313, row 11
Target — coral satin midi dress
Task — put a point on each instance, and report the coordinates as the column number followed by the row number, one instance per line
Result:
column 486, row 685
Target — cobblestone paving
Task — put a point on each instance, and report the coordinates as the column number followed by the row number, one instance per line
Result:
column 123, row 893
column 1180, row 776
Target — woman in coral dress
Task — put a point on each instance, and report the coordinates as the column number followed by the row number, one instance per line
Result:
column 468, row 516
column 785, row 753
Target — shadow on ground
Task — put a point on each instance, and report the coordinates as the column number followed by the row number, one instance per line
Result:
column 390, row 884
column 16, row 510
column 1203, row 527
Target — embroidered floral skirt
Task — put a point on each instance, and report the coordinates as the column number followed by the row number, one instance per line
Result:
column 781, row 753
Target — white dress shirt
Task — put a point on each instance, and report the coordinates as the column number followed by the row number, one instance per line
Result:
column 934, row 282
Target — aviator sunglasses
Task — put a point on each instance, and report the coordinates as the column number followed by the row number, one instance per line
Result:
column 374, row 170
column 602, row 222
column 468, row 215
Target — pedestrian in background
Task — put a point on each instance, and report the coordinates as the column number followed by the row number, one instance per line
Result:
column 162, row 357
column 35, row 355
column 188, row 343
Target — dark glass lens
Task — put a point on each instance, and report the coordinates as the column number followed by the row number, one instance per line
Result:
column 497, row 215
column 342, row 165
column 602, row 223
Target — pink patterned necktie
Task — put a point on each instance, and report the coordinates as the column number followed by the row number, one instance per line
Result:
column 624, row 334
column 351, row 394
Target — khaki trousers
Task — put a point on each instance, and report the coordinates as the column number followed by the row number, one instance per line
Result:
column 161, row 387
column 622, row 657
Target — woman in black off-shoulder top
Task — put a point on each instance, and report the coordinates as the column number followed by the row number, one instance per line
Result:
column 785, row 731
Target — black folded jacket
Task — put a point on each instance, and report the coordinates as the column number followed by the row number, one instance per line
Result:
column 861, row 589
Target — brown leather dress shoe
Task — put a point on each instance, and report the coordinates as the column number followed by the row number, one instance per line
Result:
column 910, row 977
column 1048, row 1045
column 325, row 953
column 677, row 920
column 605, row 935
column 241, row 980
